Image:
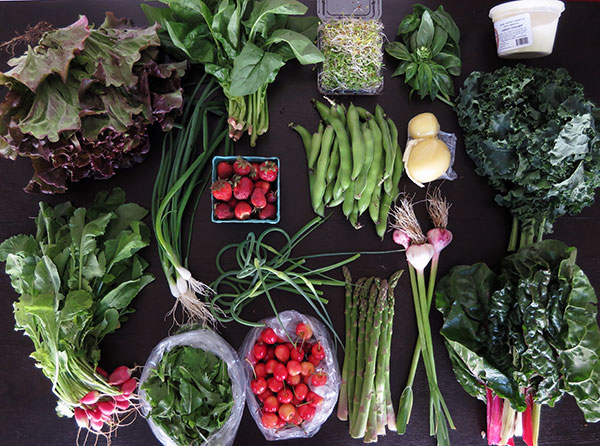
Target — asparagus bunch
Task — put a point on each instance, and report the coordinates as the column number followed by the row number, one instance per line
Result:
column 365, row 397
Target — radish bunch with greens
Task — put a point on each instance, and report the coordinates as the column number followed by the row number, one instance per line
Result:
column 76, row 279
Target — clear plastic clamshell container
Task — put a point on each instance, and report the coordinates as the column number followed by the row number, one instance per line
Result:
column 336, row 76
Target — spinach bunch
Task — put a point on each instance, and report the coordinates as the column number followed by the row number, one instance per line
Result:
column 535, row 136
column 190, row 394
column 243, row 44
column 429, row 52
column 531, row 330
column 76, row 279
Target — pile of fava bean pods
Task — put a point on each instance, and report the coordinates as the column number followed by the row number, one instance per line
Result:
column 354, row 159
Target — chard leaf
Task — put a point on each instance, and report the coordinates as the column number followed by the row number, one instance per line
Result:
column 252, row 69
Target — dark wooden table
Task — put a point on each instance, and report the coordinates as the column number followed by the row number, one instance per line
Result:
column 480, row 227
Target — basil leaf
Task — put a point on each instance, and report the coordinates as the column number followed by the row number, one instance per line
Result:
column 426, row 30
column 439, row 40
column 408, row 24
column 398, row 50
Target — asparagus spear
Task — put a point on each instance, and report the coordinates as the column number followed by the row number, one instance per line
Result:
column 360, row 424
column 371, row 433
column 381, row 376
column 393, row 282
column 342, row 410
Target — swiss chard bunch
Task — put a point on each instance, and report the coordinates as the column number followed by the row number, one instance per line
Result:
column 79, row 104
column 525, row 337
column 429, row 52
column 535, row 136
column 76, row 279
column 243, row 44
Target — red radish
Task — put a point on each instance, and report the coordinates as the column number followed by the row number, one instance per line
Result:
column 308, row 368
column 94, row 414
column 270, row 366
column 107, row 407
column 258, row 199
column 287, row 411
column 242, row 188
column 260, row 370
column 96, row 425
column 81, row 417
column 221, row 190
column 274, row 384
column 297, row 354
column 271, row 197
column 269, row 212
column 280, row 373
column 294, row 368
column 242, row 210
column 268, row 171
column 293, row 380
column 224, row 169
column 263, row 396
column 318, row 352
column 304, row 331
column 268, row 336
column 306, row 412
column 313, row 360
column 129, row 386
column 223, row 211
column 300, row 391
column 259, row 351
column 318, row 379
column 121, row 397
column 258, row 386
column 282, row 352
column 123, row 404
column 90, row 398
column 119, row 376
column 271, row 404
column 253, row 175
column 269, row 420
column 285, row 396
column 100, row 371
column 241, row 166
column 314, row 399
column 263, row 185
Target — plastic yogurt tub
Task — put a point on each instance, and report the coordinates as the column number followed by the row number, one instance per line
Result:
column 526, row 29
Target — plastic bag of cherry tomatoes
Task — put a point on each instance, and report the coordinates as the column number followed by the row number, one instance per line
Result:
column 293, row 378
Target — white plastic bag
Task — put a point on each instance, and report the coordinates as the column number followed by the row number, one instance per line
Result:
column 208, row 341
column 329, row 365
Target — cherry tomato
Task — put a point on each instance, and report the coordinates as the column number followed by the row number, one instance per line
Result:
column 258, row 386
column 263, row 396
column 294, row 368
column 318, row 351
column 306, row 412
column 259, row 350
column 280, row 373
column 268, row 336
column 297, row 354
column 269, row 420
column 293, row 380
column 313, row 360
column 304, row 331
column 271, row 404
column 300, row 391
column 270, row 366
column 314, row 399
column 274, row 384
column 308, row 368
column 318, row 379
column 260, row 370
column 287, row 412
column 282, row 352
column 285, row 396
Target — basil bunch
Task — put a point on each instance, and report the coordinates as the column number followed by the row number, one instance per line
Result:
column 429, row 52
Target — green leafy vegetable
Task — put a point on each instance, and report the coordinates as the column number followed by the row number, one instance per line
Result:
column 530, row 332
column 77, row 278
column 190, row 394
column 535, row 136
column 80, row 102
column 243, row 45
column 429, row 52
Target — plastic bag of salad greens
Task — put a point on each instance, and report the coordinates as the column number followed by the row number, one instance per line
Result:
column 208, row 401
column 322, row 381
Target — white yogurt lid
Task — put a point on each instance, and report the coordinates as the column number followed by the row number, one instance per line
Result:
column 521, row 6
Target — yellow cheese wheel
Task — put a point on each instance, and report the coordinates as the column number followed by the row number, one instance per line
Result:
column 428, row 160
column 424, row 125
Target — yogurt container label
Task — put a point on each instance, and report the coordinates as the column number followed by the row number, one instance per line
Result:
column 513, row 32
